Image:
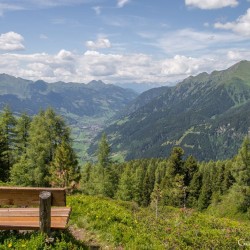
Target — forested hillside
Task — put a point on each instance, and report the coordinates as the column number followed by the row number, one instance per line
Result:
column 207, row 115
column 143, row 202
column 87, row 108
column 93, row 99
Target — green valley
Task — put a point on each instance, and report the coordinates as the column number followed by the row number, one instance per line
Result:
column 207, row 115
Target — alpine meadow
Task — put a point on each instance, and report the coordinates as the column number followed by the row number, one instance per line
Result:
column 124, row 124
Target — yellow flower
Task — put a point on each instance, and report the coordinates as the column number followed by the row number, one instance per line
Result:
column 10, row 245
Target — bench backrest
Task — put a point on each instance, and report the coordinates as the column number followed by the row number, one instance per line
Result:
column 27, row 196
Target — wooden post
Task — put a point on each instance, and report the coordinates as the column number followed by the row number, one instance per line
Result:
column 45, row 212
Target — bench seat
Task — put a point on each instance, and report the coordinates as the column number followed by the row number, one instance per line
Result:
column 28, row 218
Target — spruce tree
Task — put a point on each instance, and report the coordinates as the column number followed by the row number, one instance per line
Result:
column 105, row 173
column 64, row 167
column 7, row 133
column 125, row 187
column 241, row 173
column 22, row 135
column 46, row 132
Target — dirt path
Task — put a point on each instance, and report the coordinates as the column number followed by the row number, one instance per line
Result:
column 90, row 239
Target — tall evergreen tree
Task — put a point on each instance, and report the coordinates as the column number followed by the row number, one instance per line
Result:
column 64, row 167
column 105, row 173
column 103, row 152
column 126, row 185
column 47, row 131
column 7, row 133
column 242, row 175
column 22, row 135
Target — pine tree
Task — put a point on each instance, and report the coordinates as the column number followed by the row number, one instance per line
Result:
column 206, row 189
column 64, row 167
column 190, row 168
column 242, row 175
column 105, row 174
column 46, row 132
column 22, row 135
column 174, row 179
column 103, row 152
column 138, row 178
column 86, row 177
column 125, row 187
column 194, row 189
column 7, row 133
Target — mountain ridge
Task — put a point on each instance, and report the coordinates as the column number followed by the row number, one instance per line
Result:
column 194, row 115
column 90, row 99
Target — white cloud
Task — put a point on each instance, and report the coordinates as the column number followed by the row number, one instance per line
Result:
column 100, row 43
column 11, row 41
column 37, row 4
column 97, row 9
column 121, row 3
column 43, row 36
column 240, row 26
column 182, row 41
column 115, row 67
column 65, row 55
column 211, row 4
column 238, row 55
column 8, row 7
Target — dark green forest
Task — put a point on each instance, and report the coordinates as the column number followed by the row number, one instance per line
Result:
column 37, row 151
column 178, row 180
column 175, row 202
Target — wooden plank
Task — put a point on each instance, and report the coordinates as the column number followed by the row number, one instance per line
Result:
column 12, row 212
column 27, row 196
column 16, row 219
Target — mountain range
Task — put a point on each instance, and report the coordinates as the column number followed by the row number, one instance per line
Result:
column 208, row 115
column 87, row 108
column 93, row 99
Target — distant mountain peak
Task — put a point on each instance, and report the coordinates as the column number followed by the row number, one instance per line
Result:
column 96, row 83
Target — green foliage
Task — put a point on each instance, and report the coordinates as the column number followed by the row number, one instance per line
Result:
column 175, row 181
column 126, row 225
column 207, row 115
column 7, row 143
column 34, row 151
column 37, row 241
column 64, row 167
column 103, row 152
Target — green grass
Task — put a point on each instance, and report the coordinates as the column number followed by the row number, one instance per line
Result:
column 36, row 241
column 123, row 224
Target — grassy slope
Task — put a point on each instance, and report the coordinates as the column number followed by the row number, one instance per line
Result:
column 125, row 225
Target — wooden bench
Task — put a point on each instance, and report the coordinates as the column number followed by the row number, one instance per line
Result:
column 22, row 208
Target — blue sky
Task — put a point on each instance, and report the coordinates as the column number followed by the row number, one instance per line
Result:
column 121, row 41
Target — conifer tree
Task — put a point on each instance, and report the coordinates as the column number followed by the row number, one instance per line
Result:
column 7, row 133
column 138, row 184
column 22, row 135
column 173, row 182
column 190, row 168
column 103, row 152
column 105, row 173
column 242, row 175
column 125, row 186
column 47, row 130
column 64, row 167
column 194, row 189
column 148, row 184
column 206, row 189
